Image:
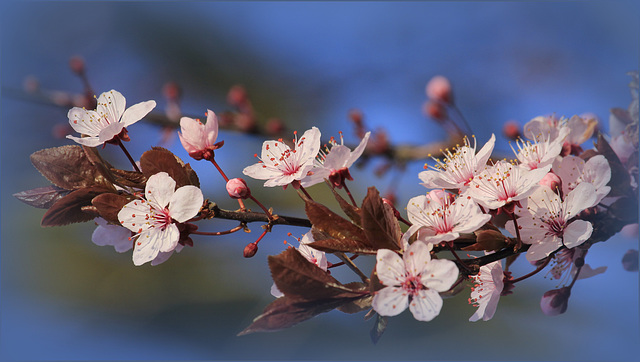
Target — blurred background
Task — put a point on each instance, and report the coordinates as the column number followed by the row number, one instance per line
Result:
column 64, row 298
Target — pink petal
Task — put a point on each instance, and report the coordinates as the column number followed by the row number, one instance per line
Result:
column 416, row 258
column 87, row 141
column 389, row 267
column 390, row 301
column 109, row 132
column 577, row 233
column 439, row 274
column 134, row 215
column 582, row 197
column 159, row 190
column 485, row 152
column 111, row 103
column 192, row 134
column 543, row 249
column 211, row 128
column 258, row 171
column 426, row 305
column 113, row 235
column 137, row 112
column 357, row 152
column 185, row 203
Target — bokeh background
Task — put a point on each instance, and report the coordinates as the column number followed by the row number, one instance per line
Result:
column 64, row 298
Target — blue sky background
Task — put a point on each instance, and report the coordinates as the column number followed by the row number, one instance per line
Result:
column 63, row 298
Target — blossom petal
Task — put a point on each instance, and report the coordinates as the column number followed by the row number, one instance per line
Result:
column 137, row 112
column 159, row 190
column 111, row 104
column 310, row 147
column 260, row 172
column 191, row 135
column 426, row 305
column 162, row 257
column 439, row 275
column 543, row 249
column 109, row 132
column 357, row 152
column 389, row 267
column 582, row 197
column 185, row 203
column 390, row 301
column 337, row 157
column 485, row 152
column 576, row 233
column 134, row 216
column 87, row 141
column 211, row 128
column 113, row 235
column 416, row 258
column 149, row 243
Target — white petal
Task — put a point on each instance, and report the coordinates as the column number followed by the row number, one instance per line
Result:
column 310, row 147
column 111, row 103
column 83, row 121
column 318, row 176
column 191, row 135
column 435, row 180
column 146, row 247
column 543, row 249
column 275, row 291
column 390, row 301
column 168, row 238
column 211, row 128
column 576, row 233
column 426, row 305
column 440, row 274
column 137, row 112
column 258, row 171
column 281, row 180
column 357, row 152
column 113, row 235
column 337, row 157
column 389, row 267
column 159, row 190
column 87, row 141
column 185, row 203
column 485, row 152
column 134, row 215
column 109, row 132
column 582, row 197
column 416, row 258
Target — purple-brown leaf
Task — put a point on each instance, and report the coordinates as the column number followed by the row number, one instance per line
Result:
column 335, row 226
column 42, row 197
column 68, row 167
column 68, row 209
column 159, row 159
column 109, row 205
column 379, row 223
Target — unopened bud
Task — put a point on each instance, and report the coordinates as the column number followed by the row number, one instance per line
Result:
column 511, row 130
column 76, row 63
column 556, row 301
column 439, row 89
column 552, row 181
column 436, row 111
column 630, row 260
column 250, row 250
column 238, row 189
column 356, row 116
column 237, row 96
column 274, row 126
column 172, row 91
column 245, row 122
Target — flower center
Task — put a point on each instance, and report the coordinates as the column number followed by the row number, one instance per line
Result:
column 161, row 218
column 412, row 284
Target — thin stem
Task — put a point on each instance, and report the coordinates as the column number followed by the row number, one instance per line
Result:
column 538, row 269
column 352, row 266
column 353, row 201
column 457, row 257
column 515, row 226
column 575, row 277
column 266, row 211
column 124, row 149
column 224, row 176
column 342, row 262
column 306, row 193
column 216, row 233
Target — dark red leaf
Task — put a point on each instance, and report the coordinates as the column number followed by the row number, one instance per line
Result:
column 351, row 211
column 109, row 205
column 68, row 167
column 129, row 178
column 379, row 222
column 335, row 226
column 328, row 244
column 42, row 197
column 299, row 279
column 68, row 209
column 159, row 159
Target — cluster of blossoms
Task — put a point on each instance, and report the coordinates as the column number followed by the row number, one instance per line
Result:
column 551, row 202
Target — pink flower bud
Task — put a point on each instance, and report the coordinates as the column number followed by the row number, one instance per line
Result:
column 172, row 91
column 274, row 126
column 552, row 181
column 238, row 189
column 439, row 89
column 630, row 260
column 511, row 130
column 76, row 64
column 555, row 302
column 436, row 111
column 250, row 250
column 237, row 96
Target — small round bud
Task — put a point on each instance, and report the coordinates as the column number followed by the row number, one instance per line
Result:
column 439, row 89
column 238, row 189
column 511, row 130
column 436, row 111
column 237, row 96
column 630, row 260
column 556, row 301
column 172, row 91
column 552, row 181
column 274, row 126
column 76, row 63
column 356, row 116
column 250, row 250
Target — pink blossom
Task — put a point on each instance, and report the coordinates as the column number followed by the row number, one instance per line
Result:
column 412, row 281
column 238, row 189
column 333, row 161
column 459, row 166
column 439, row 216
column 547, row 222
column 537, row 154
column 154, row 217
column 108, row 120
column 280, row 165
column 596, row 171
column 485, row 294
column 198, row 139
column 503, row 183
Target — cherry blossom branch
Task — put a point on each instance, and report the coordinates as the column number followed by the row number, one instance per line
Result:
column 352, row 266
column 224, row 176
column 216, row 233
column 250, row 216
column 536, row 271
